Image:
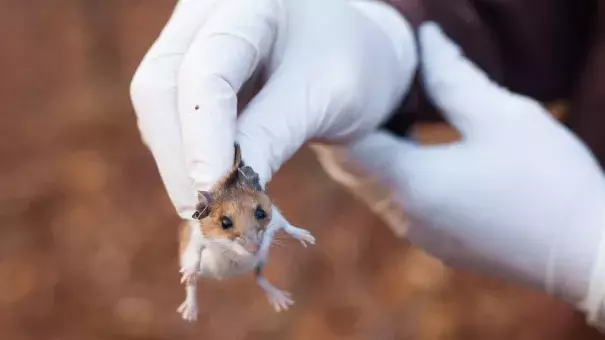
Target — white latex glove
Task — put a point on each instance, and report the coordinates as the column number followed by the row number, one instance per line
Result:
column 336, row 70
column 519, row 196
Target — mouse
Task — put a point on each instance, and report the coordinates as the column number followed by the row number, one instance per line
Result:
column 230, row 234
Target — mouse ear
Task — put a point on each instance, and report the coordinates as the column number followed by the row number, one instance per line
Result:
column 249, row 177
column 202, row 208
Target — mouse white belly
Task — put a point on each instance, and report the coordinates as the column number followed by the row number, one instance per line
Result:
column 214, row 263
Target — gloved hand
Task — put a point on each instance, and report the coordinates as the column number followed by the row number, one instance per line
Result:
column 518, row 196
column 336, row 70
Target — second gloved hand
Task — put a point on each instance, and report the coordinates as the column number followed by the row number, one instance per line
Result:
column 336, row 70
column 519, row 196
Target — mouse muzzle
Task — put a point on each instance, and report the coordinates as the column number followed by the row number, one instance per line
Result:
column 251, row 247
column 251, row 242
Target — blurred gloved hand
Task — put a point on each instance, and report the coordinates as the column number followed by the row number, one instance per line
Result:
column 518, row 196
column 336, row 70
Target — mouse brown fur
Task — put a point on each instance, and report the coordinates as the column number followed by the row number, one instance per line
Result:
column 238, row 199
column 238, row 205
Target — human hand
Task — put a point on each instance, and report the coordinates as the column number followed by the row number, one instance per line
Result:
column 519, row 196
column 335, row 71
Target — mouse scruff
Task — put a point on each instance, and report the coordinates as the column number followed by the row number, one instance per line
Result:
column 233, row 227
column 239, row 178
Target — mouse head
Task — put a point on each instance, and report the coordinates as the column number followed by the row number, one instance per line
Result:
column 236, row 212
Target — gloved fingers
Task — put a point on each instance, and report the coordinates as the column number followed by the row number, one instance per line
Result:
column 460, row 89
column 178, row 33
column 153, row 94
column 368, row 187
column 224, row 54
column 416, row 172
column 275, row 124
column 385, row 154
column 161, row 132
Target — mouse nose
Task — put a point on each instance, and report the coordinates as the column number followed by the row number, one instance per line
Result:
column 251, row 247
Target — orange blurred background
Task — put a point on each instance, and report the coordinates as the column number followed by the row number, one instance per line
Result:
column 88, row 246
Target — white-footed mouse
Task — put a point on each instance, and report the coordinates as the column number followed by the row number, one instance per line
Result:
column 234, row 226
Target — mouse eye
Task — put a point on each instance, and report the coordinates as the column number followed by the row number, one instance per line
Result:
column 260, row 213
column 226, row 222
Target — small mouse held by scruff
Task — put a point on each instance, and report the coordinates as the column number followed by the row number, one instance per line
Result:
column 236, row 222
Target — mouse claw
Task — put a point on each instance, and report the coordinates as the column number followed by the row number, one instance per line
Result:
column 280, row 300
column 303, row 235
column 188, row 311
column 188, row 275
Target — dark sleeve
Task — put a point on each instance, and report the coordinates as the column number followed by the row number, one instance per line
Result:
column 586, row 114
column 461, row 22
column 532, row 47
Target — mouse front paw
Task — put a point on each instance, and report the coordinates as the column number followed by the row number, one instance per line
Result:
column 279, row 299
column 188, row 311
column 303, row 235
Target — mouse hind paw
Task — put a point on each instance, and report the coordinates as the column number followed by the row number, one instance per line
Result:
column 188, row 310
column 279, row 299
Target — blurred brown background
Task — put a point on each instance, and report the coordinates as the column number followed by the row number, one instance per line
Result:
column 88, row 237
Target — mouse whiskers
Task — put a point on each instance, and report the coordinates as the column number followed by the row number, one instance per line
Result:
column 279, row 242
